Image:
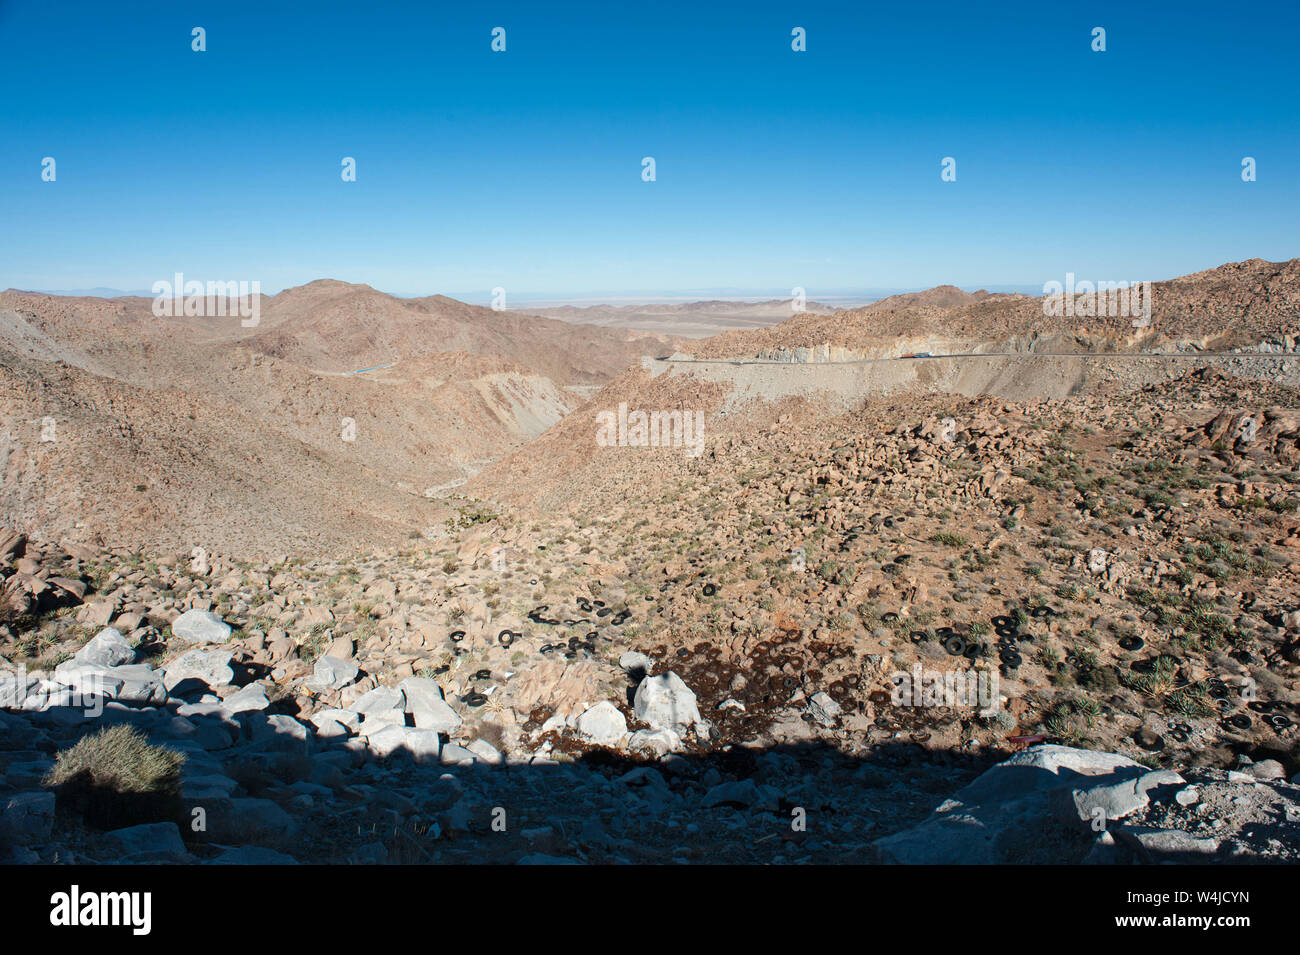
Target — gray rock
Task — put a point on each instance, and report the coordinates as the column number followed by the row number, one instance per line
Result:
column 453, row 754
column 131, row 683
column 197, row 670
column 249, row 699
column 420, row 744
column 262, row 817
column 823, row 708
column 743, row 792
column 1013, row 812
column 252, row 855
column 27, row 818
column 665, row 702
column 656, row 743
column 161, row 839
column 277, row 733
column 426, row 705
column 635, row 662
column 603, row 723
column 1117, row 800
column 108, row 648
column 200, row 626
column 485, row 751
column 1168, row 845
column 1267, row 769
column 15, row 688
column 333, row 674
column 382, row 705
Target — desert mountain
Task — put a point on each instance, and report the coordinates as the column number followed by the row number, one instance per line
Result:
column 122, row 426
column 1234, row 304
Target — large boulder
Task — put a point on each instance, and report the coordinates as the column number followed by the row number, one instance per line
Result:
column 200, row 626
column 26, row 818
column 389, row 740
column 603, row 723
column 108, row 648
column 665, row 702
column 129, row 683
column 197, row 670
column 1029, row 808
column 425, row 703
column 332, row 673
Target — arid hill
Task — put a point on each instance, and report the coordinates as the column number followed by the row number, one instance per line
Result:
column 1234, row 304
column 124, row 427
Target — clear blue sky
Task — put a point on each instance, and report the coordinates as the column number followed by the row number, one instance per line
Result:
column 523, row 169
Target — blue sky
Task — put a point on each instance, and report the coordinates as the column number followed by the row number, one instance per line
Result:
column 522, row 169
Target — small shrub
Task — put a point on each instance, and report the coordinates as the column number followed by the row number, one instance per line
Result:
column 116, row 778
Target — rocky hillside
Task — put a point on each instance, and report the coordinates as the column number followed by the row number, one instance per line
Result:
column 388, row 711
column 120, row 427
column 1242, row 303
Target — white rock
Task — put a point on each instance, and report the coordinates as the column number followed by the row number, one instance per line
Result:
column 657, row 743
column 426, row 705
column 485, row 751
column 108, row 648
column 131, row 683
column 665, row 702
column 633, row 661
column 421, row 745
column 251, row 697
column 1097, row 561
column 331, row 673
column 603, row 723
column 382, row 706
column 211, row 668
column 823, row 708
column 200, row 626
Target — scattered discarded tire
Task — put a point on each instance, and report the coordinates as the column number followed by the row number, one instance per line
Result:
column 1040, row 612
column 482, row 674
column 1002, row 620
column 1279, row 721
column 506, row 637
column 888, row 617
column 473, row 699
column 710, row 590
column 918, row 635
column 457, row 636
column 1132, row 644
column 972, row 651
column 1011, row 658
column 955, row 645
column 1239, row 721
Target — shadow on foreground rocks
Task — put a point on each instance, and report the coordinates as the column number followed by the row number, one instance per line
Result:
column 258, row 786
